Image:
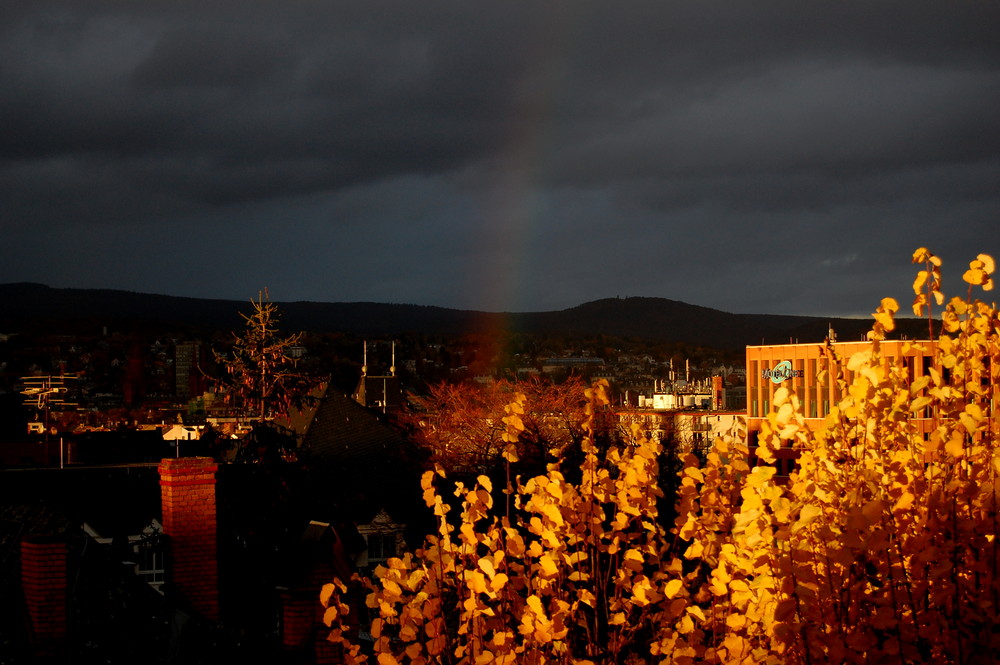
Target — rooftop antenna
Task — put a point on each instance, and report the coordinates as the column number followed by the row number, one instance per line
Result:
column 392, row 368
column 364, row 361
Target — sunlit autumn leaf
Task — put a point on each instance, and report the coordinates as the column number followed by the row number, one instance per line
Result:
column 387, row 659
column 955, row 447
column 672, row 588
column 904, row 502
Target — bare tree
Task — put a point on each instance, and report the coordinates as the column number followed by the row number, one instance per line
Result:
column 263, row 379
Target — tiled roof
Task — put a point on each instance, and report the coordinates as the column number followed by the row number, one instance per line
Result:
column 350, row 437
column 359, row 461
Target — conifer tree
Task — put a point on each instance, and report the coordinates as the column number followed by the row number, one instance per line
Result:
column 264, row 383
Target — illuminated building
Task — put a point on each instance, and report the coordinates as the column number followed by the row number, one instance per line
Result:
column 811, row 371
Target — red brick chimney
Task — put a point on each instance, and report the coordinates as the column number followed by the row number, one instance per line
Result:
column 44, row 578
column 718, row 393
column 187, row 492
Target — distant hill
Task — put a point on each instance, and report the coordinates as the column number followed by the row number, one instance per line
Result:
column 26, row 307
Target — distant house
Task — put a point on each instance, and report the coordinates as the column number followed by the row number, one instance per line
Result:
column 562, row 364
column 358, row 464
column 177, row 434
column 384, row 539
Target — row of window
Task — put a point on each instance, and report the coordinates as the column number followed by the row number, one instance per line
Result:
column 815, row 396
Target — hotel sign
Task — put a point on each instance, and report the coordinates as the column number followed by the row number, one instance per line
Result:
column 781, row 372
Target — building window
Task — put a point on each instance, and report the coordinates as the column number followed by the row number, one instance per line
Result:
column 149, row 557
column 812, row 388
column 381, row 547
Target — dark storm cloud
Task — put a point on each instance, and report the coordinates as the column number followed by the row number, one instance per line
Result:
column 515, row 155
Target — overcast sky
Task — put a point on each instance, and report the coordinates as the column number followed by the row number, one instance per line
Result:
column 757, row 157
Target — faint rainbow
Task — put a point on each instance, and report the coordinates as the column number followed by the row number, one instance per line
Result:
column 516, row 210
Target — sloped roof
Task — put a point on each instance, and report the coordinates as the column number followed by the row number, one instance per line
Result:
column 350, row 437
column 358, row 460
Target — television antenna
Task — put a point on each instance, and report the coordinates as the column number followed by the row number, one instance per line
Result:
column 47, row 392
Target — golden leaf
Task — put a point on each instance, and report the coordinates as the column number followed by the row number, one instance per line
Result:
column 785, row 413
column 904, row 502
column 672, row 588
column 974, row 276
column 586, row 597
column 548, row 566
column 761, row 475
column 391, row 587
column 859, row 360
column 633, row 559
column 475, row 581
column 514, row 422
column 535, row 603
column 325, row 593
column 739, row 585
column 956, row 445
column 694, row 472
column 695, row 550
column 408, row 633
column 640, row 592
column 736, row 621
column 498, row 582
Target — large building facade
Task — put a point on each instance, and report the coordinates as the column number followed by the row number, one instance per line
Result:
column 811, row 371
column 814, row 373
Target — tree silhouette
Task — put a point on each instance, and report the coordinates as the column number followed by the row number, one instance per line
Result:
column 264, row 382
